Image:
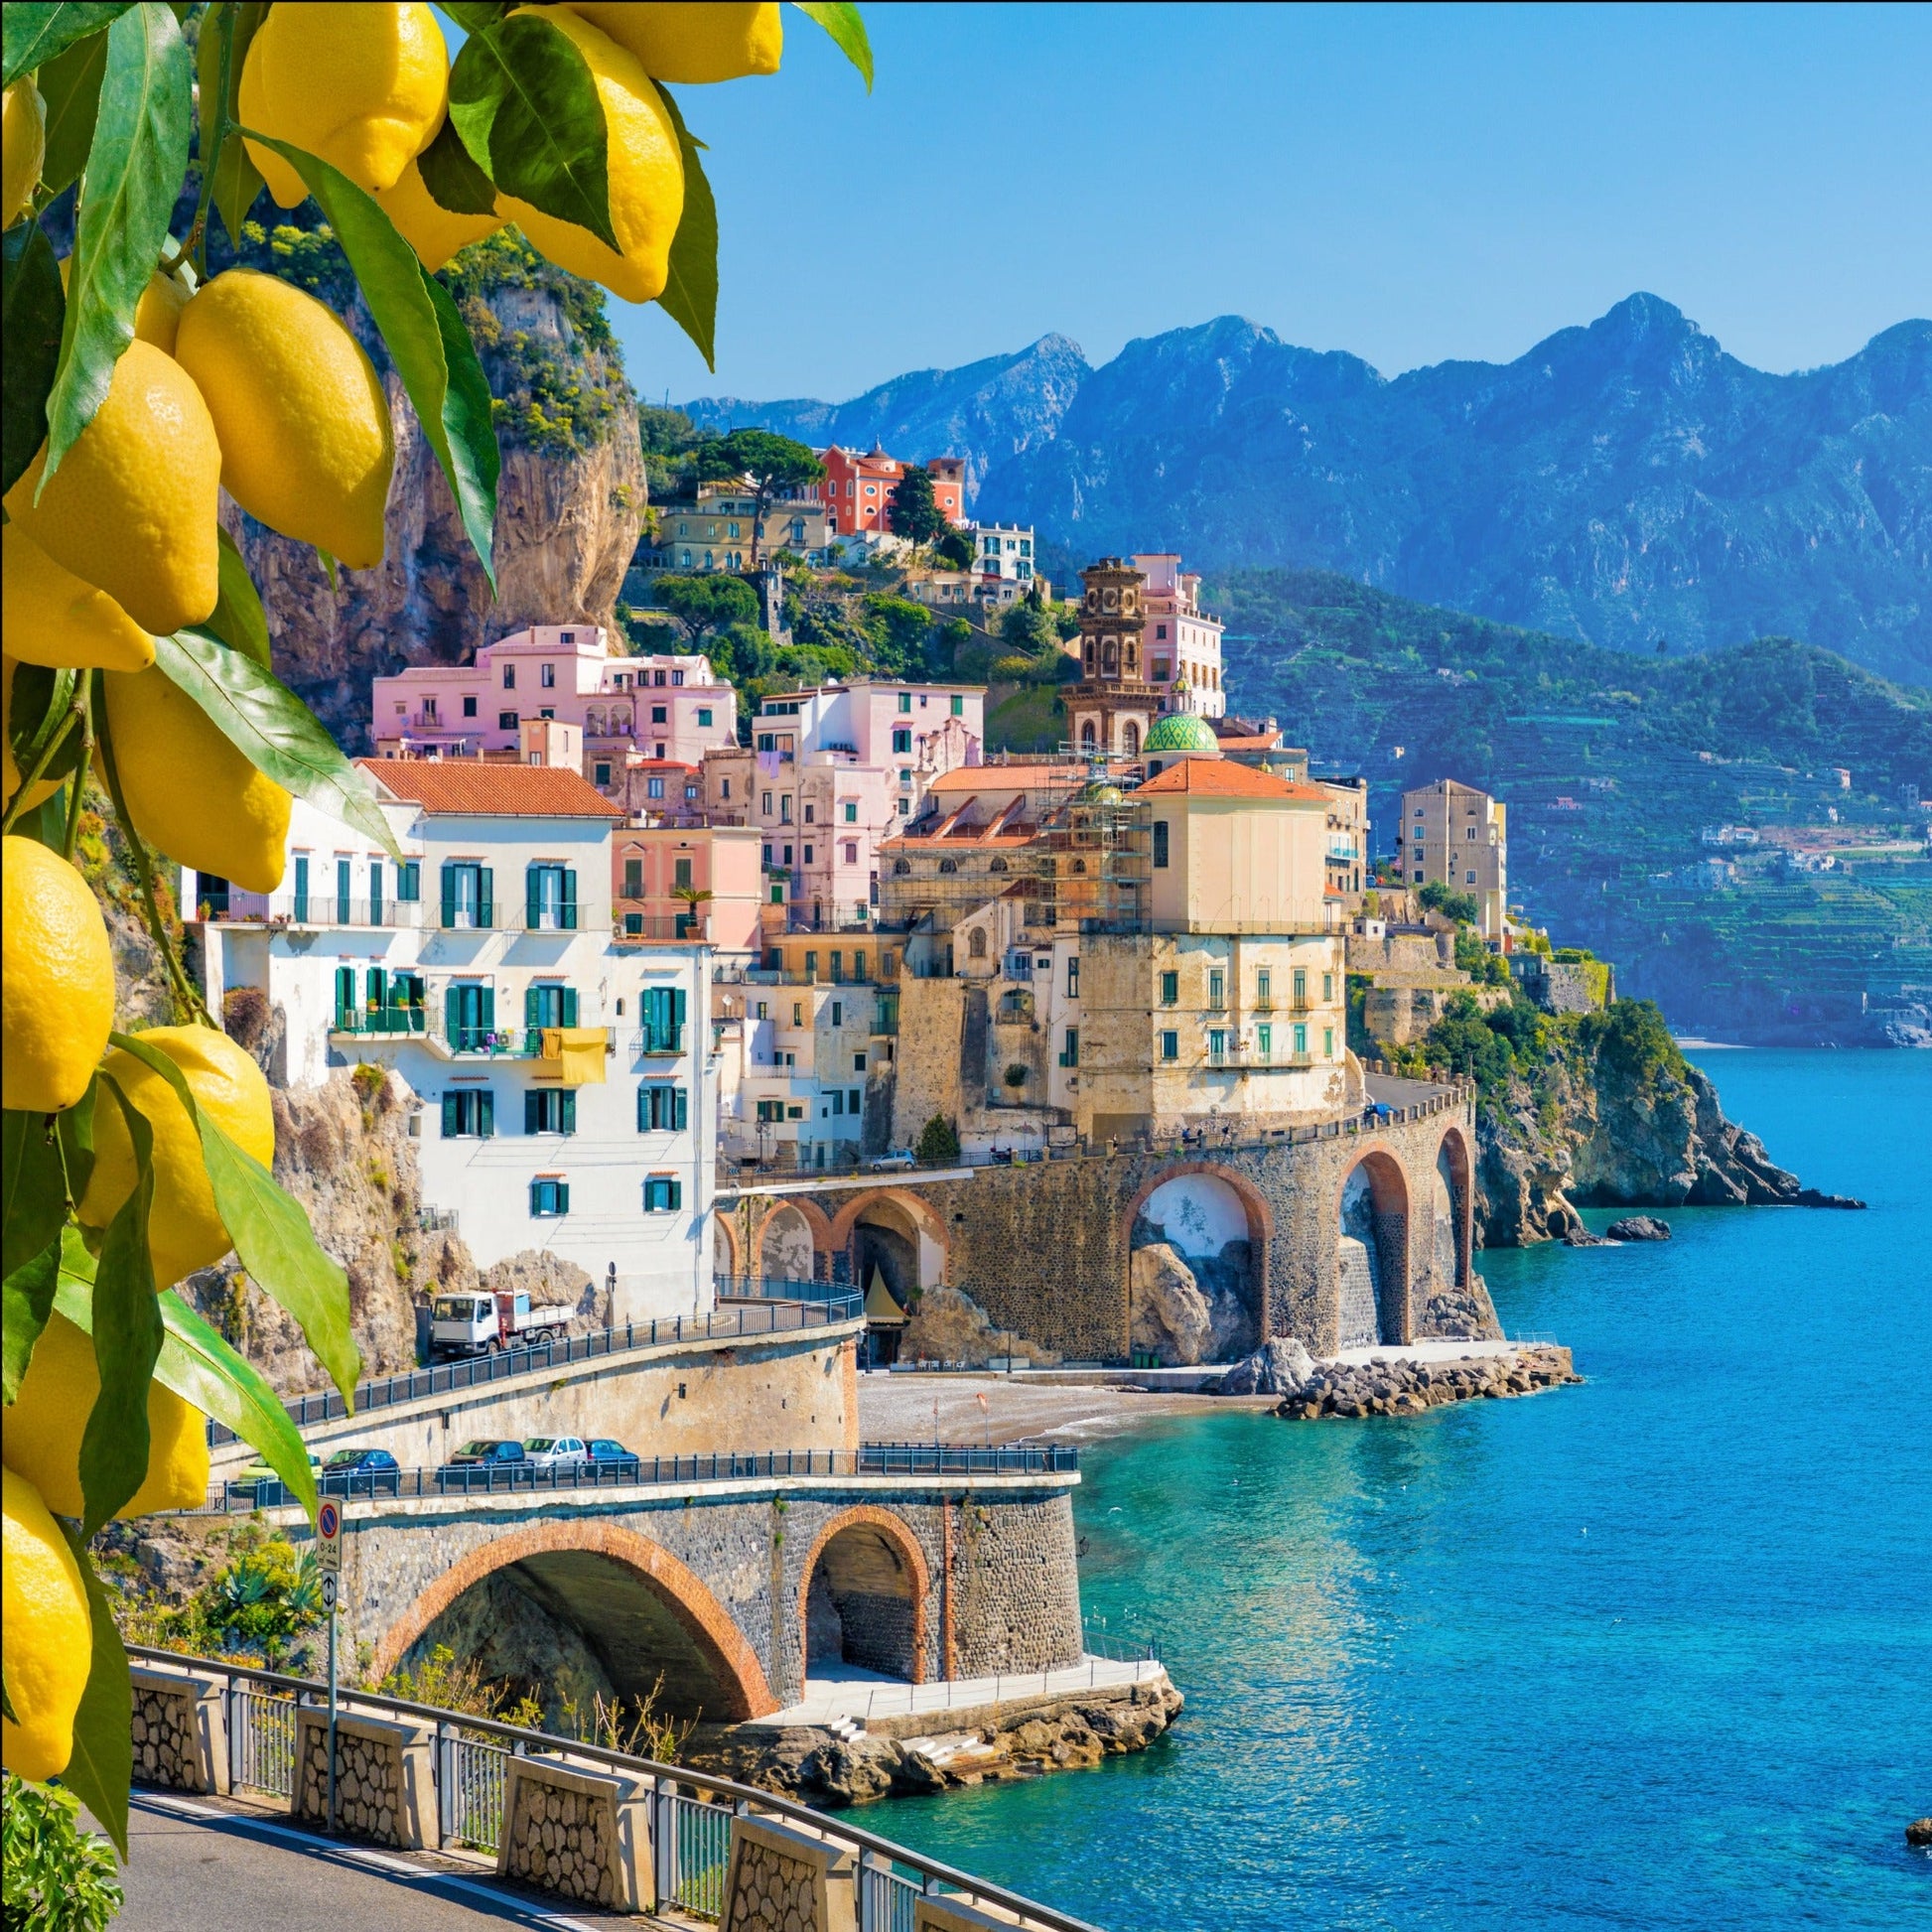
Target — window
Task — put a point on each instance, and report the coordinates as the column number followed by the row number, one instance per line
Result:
column 1300, row 986
column 1264, row 989
column 1217, row 1044
column 551, row 899
column 550, row 1110
column 1161, row 841
column 766, row 807
column 507, row 721
column 905, row 701
column 838, row 1009
column 664, row 1195
column 1171, row 1045
column 902, row 742
column 851, row 811
column 468, row 897
column 784, row 809
column 1468, row 879
column 1217, row 989
column 1073, row 978
column 811, row 965
column 1300, row 1040
column 344, row 900
column 376, row 892
column 811, row 813
column 1470, row 835
column 409, row 881
column 851, row 852
column 704, row 723
column 661, row 1015
column 1070, row 1048
column 1328, row 988
column 857, row 1062
column 547, row 677
column 549, row 1003
column 509, row 677
column 603, row 774
column 468, row 1114
column 661, row 714
column 654, row 788
column 1418, row 875
column 958, row 705
column 549, row 1198
column 1327, row 1043
column 1170, row 989
column 470, row 706
column 798, row 1012
column 662, row 1108
column 681, row 872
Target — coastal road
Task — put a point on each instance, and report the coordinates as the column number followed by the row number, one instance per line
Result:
column 198, row 1868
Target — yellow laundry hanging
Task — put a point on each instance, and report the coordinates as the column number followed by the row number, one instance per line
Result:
column 579, row 1053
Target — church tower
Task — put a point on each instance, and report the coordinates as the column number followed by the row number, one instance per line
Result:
column 1112, row 707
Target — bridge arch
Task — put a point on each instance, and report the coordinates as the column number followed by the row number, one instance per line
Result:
column 861, row 1596
column 1372, row 1221
column 1198, row 1205
column 791, row 1240
column 893, row 1230
column 1454, row 1168
column 642, row 1612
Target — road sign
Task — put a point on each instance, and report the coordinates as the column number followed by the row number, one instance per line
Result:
column 328, row 1538
column 331, row 1590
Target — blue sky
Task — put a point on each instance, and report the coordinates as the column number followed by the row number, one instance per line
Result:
column 1406, row 183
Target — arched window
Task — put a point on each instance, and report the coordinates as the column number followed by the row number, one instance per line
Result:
column 976, row 944
column 948, row 865
column 1081, row 867
column 1088, row 739
column 1130, row 738
column 900, row 867
column 594, row 722
column 996, row 865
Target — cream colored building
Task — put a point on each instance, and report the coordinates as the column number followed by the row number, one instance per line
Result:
column 1457, row 836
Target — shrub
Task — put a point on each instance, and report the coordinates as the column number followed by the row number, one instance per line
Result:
column 938, row 1143
column 1017, row 1075
column 57, row 1877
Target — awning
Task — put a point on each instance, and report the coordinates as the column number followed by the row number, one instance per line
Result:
column 579, row 1053
column 881, row 1312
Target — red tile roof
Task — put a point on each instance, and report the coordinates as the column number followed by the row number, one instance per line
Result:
column 1211, row 779
column 491, row 788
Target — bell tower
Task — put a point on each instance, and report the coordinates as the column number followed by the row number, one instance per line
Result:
column 1112, row 707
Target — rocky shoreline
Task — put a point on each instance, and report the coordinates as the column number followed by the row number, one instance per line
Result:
column 1392, row 1386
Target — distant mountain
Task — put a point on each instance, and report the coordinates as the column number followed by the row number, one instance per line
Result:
column 1622, row 482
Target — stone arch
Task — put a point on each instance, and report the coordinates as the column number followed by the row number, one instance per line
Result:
column 1454, row 1165
column 1372, row 1218
column 864, row 1589
column 1130, row 738
column 641, row 1612
column 976, row 943
column 724, row 1251
column 1235, row 1330
column 894, row 1231
column 1089, row 741
column 790, row 1240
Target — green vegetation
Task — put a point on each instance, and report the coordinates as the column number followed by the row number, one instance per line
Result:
column 54, row 1877
column 938, row 1144
column 706, row 605
column 916, row 515
column 254, row 1609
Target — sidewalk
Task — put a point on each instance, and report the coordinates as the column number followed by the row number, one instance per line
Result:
column 855, row 1697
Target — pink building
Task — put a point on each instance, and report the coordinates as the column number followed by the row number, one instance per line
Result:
column 1180, row 644
column 653, row 864
column 666, row 706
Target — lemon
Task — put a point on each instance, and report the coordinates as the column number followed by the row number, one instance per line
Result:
column 426, row 224
column 57, row 979
column 692, row 43
column 9, row 770
column 646, row 174
column 184, row 1231
column 188, row 789
column 132, row 506
column 304, row 426
column 52, row 617
column 363, row 85
column 40, row 1435
column 158, row 313
column 47, row 1632
column 22, row 147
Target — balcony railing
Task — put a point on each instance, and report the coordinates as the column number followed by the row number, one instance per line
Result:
column 387, row 1020
column 664, row 1042
column 319, row 911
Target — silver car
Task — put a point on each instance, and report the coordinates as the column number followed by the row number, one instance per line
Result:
column 556, row 1452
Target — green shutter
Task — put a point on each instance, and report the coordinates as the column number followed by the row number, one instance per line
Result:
column 451, row 1014
column 680, row 1110
column 449, row 897
column 532, row 1016
column 486, row 1112
column 677, row 1017
column 569, row 1006
column 532, row 1112
column 448, row 1116
column 675, row 1189
column 569, row 899
column 487, row 1007
column 485, row 897
column 533, row 896
column 567, row 1112
column 376, row 892
column 644, row 1108
column 563, row 1197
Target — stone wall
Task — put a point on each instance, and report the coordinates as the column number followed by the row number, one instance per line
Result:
column 180, row 1740
column 784, row 1879
column 575, row 1833
column 384, row 1778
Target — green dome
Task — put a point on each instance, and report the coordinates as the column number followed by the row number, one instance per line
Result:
column 1181, row 731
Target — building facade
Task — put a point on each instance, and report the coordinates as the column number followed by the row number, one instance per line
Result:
column 720, row 530
column 1113, row 706
column 858, row 488
column 1453, row 834
column 1181, row 641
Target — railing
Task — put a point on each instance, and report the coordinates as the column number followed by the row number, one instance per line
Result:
column 390, row 1391
column 384, row 1020
column 491, row 1043
column 682, row 1866
column 1098, row 1641
column 321, row 910
column 643, row 1472
column 667, row 1041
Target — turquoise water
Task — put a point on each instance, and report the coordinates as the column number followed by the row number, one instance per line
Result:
column 1653, row 1652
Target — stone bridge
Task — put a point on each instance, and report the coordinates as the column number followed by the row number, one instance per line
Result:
column 716, row 1594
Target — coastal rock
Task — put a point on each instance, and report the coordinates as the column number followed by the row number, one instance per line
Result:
column 1919, row 1832
column 1170, row 1318
column 1280, row 1366
column 1576, row 1236
column 1385, row 1386
column 1639, row 1227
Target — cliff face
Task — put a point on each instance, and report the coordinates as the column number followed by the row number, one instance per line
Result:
column 567, row 523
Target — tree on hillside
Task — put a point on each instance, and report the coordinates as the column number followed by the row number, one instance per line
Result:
column 772, row 465
column 1028, row 630
column 668, row 439
column 899, row 630
column 953, row 550
column 916, row 516
column 706, row 605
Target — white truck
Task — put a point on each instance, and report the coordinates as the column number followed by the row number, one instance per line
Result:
column 486, row 1324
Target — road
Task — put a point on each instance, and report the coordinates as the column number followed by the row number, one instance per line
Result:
column 195, row 1868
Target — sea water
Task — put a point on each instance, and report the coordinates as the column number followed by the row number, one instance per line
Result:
column 1654, row 1651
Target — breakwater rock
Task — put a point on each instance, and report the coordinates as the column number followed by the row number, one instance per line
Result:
column 1389, row 1386
column 1639, row 1227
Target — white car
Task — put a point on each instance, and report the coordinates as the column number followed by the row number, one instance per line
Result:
column 556, row 1452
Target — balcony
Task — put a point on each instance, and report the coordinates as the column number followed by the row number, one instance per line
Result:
column 667, row 1042
column 386, row 1021
column 317, row 912
column 486, row 1043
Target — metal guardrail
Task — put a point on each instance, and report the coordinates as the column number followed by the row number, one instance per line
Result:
column 476, row 1371
column 644, row 1472
column 689, row 1847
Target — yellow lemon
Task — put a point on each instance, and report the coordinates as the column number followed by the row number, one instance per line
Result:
column 426, row 224
column 46, row 1632
column 646, row 174
column 40, row 1435
column 306, row 440
column 712, row 40
column 57, row 979
column 190, row 792
column 22, row 147
column 52, row 617
column 184, row 1231
column 361, row 86
column 158, row 313
column 9, row 770
column 132, row 506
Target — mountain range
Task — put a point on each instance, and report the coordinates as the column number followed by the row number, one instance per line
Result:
column 1627, row 482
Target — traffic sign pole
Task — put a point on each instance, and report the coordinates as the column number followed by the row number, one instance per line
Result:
column 329, row 1561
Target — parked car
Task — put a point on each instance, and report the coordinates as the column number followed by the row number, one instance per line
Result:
column 483, row 1459
column 606, row 1457
column 903, row 1158
column 257, row 1477
column 555, row 1451
column 361, row 1472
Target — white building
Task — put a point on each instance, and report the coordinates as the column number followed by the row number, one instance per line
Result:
column 1181, row 644
column 1002, row 550
column 565, row 1098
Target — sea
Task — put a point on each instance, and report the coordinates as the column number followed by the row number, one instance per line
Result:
column 1655, row 1651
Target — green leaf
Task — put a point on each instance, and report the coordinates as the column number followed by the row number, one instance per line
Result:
column 34, row 310
column 690, row 295
column 28, row 1297
column 127, row 1337
column 454, row 181
column 34, row 34
column 135, row 167
column 102, row 1769
column 271, row 1234
column 473, row 16
column 273, row 729
column 840, row 20
column 239, row 619
column 526, row 106
column 237, row 180
column 438, row 364
column 42, row 707
column 69, row 85
column 31, row 1188
column 74, row 1129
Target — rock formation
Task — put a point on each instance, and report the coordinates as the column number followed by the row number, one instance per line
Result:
column 1639, row 1227
column 1390, row 1386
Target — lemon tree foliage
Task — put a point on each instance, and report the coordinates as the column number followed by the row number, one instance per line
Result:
column 141, row 381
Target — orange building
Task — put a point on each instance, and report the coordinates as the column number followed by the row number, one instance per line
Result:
column 857, row 489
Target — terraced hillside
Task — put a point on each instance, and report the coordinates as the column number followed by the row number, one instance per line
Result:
column 1614, row 766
